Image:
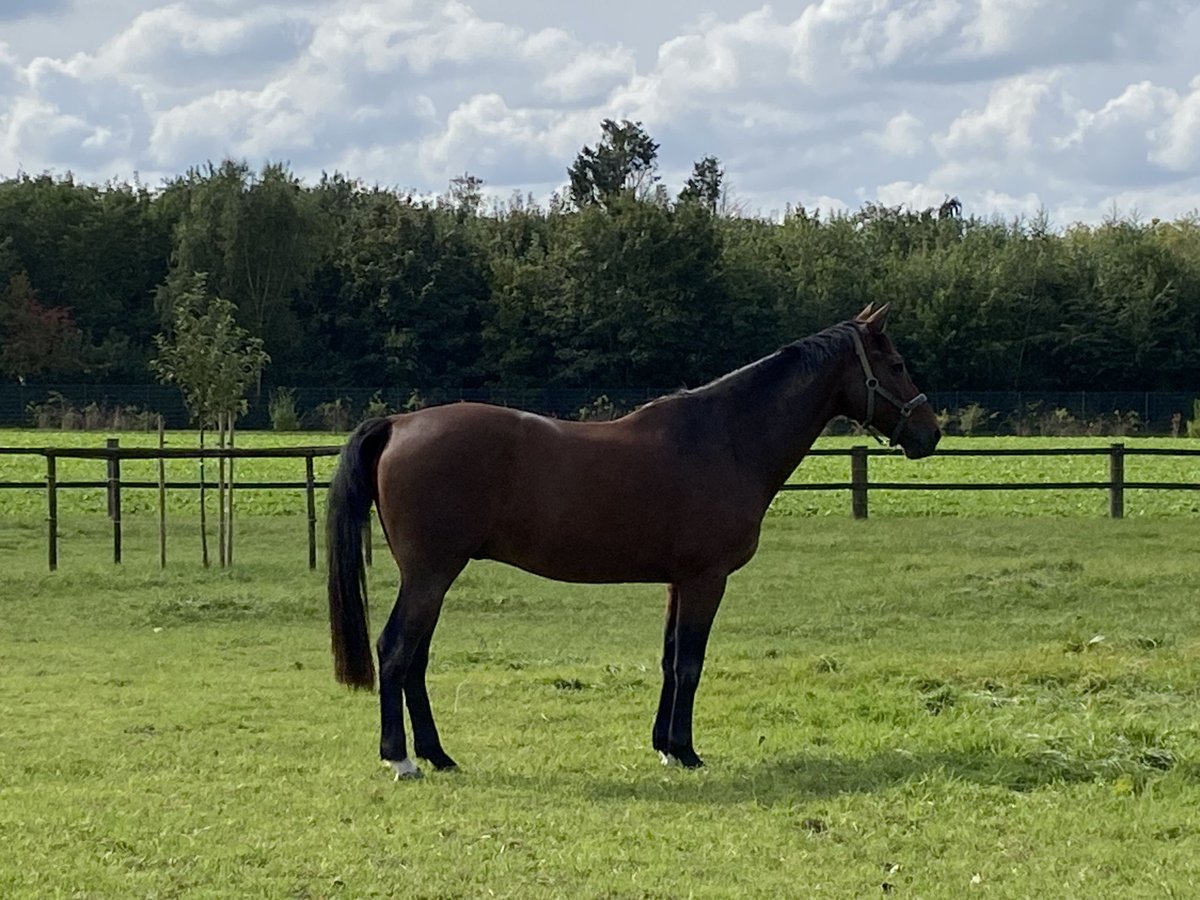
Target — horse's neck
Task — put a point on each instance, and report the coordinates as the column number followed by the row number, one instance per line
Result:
column 777, row 429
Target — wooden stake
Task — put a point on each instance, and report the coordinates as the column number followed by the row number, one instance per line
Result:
column 203, row 515
column 221, row 490
column 229, row 511
column 52, row 508
column 162, row 497
column 310, row 493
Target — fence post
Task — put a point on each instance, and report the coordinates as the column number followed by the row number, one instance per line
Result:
column 52, row 508
column 858, row 482
column 1116, row 481
column 111, row 473
column 310, row 491
column 114, row 496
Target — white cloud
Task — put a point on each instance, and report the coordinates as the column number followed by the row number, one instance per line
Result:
column 1178, row 140
column 1003, row 126
column 1006, row 103
column 905, row 193
column 902, row 135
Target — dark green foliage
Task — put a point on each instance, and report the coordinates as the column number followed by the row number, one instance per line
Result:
column 618, row 286
column 705, row 186
column 624, row 162
column 95, row 252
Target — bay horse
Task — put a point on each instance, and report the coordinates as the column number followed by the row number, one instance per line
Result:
column 675, row 492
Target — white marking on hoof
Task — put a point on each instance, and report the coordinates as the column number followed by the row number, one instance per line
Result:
column 404, row 768
column 667, row 759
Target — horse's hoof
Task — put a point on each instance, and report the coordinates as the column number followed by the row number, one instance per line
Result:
column 687, row 759
column 404, row 769
column 440, row 760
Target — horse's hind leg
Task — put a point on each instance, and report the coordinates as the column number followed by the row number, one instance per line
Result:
column 666, row 700
column 426, row 743
column 403, row 650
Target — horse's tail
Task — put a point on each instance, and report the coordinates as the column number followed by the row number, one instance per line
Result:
column 349, row 506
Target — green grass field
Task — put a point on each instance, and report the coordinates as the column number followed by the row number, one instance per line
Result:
column 921, row 705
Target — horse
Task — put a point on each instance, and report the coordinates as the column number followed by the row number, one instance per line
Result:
column 674, row 492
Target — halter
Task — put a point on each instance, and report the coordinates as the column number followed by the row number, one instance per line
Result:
column 873, row 388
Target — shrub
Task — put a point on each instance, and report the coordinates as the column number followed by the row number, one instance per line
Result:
column 1121, row 423
column 973, row 418
column 376, row 408
column 50, row 413
column 57, row 412
column 1193, row 425
column 599, row 410
column 282, row 408
column 414, row 402
column 333, row 415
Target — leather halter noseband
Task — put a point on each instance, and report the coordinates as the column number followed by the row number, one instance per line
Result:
column 874, row 387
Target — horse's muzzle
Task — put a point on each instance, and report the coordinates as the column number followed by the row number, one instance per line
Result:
column 919, row 444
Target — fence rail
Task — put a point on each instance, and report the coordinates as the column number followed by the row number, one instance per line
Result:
column 859, row 486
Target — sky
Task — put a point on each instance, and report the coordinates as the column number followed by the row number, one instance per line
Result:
column 1078, row 108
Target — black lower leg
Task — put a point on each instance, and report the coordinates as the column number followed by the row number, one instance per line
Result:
column 392, row 743
column 689, row 663
column 426, row 742
column 666, row 700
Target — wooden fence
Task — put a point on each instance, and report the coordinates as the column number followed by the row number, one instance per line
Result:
column 859, row 486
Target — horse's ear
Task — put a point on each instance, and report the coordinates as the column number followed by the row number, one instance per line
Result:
column 865, row 314
column 877, row 320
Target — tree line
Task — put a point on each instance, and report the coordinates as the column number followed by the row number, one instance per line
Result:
column 616, row 282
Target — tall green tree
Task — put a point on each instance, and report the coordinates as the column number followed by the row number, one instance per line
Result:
column 259, row 237
column 625, row 161
column 705, row 186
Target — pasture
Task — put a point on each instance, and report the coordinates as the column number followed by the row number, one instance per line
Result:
column 979, row 693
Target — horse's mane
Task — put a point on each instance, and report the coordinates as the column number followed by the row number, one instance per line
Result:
column 797, row 359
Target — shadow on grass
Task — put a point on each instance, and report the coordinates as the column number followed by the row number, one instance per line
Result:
column 786, row 780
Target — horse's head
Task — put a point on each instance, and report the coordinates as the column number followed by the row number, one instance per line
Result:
column 881, row 393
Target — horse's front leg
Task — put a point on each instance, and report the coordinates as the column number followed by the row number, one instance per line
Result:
column 697, row 601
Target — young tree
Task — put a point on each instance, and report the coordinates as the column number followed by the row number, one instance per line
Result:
column 214, row 361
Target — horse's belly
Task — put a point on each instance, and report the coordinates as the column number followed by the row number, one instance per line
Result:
column 582, row 560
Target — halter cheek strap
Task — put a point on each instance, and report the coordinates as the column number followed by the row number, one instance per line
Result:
column 906, row 407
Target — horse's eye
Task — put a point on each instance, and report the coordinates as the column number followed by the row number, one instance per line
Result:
column 898, row 368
